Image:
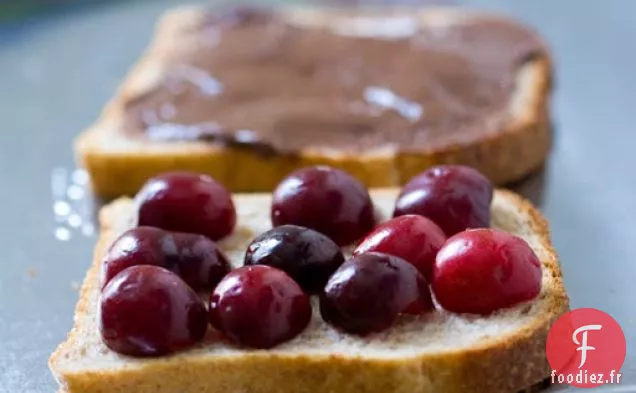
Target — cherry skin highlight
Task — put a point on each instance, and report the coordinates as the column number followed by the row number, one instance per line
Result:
column 147, row 310
column 454, row 197
column 415, row 239
column 370, row 291
column 308, row 256
column 259, row 307
column 195, row 258
column 186, row 202
column 480, row 271
column 324, row 199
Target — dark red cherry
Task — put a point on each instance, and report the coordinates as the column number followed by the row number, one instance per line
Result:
column 139, row 246
column 415, row 239
column 187, row 202
column 369, row 292
column 149, row 311
column 455, row 197
column 195, row 258
column 201, row 264
column 483, row 270
column 324, row 199
column 309, row 257
column 259, row 306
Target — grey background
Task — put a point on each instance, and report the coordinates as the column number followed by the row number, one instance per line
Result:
column 56, row 72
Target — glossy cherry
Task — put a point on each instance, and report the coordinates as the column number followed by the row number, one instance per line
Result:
column 325, row 199
column 187, row 202
column 149, row 311
column 369, row 292
column 415, row 239
column 309, row 257
column 482, row 270
column 139, row 246
column 455, row 197
column 259, row 306
column 200, row 263
column 195, row 258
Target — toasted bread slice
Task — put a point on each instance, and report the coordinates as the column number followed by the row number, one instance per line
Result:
column 119, row 164
column 439, row 352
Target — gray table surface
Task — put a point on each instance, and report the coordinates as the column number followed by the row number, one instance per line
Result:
column 56, row 72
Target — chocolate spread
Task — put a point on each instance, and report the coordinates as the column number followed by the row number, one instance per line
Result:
column 249, row 77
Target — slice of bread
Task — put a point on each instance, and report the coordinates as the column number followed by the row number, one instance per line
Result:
column 119, row 164
column 439, row 352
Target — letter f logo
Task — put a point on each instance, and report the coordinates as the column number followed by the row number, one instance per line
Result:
column 583, row 344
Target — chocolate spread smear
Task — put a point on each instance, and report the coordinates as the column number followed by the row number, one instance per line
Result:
column 247, row 77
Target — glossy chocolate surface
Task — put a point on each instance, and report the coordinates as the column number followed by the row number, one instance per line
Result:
column 251, row 77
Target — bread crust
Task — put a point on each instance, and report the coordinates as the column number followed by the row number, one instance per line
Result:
column 504, row 155
column 510, row 363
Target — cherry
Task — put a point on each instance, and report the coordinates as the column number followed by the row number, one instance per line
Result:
column 455, row 197
column 324, row 199
column 138, row 246
column 201, row 264
column 309, row 257
column 149, row 311
column 259, row 306
column 369, row 291
column 415, row 239
column 482, row 270
column 195, row 258
column 187, row 202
